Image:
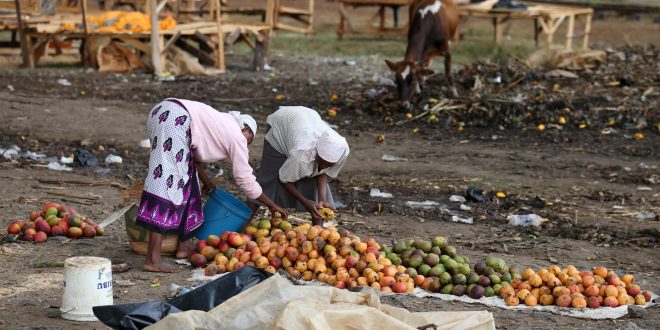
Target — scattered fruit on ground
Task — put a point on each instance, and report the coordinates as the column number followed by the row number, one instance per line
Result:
column 54, row 220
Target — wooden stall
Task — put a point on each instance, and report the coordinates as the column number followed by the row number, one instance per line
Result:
column 376, row 23
column 547, row 19
column 205, row 36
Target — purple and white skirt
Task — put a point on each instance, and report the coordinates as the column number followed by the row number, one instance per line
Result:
column 172, row 200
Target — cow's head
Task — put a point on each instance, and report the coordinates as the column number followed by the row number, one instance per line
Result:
column 407, row 75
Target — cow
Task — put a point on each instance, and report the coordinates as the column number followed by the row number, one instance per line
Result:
column 433, row 23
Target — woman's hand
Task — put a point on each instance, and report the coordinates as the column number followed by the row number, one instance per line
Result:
column 277, row 208
column 312, row 208
column 327, row 204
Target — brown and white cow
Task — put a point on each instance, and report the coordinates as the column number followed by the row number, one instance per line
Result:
column 433, row 24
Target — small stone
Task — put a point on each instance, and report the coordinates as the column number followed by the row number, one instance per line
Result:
column 637, row 312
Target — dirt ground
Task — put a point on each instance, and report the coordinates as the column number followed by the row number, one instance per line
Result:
column 590, row 186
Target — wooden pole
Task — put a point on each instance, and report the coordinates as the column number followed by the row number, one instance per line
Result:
column 155, row 39
column 25, row 46
column 85, row 50
column 220, row 63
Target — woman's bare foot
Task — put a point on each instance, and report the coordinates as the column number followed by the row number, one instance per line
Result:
column 162, row 267
column 185, row 249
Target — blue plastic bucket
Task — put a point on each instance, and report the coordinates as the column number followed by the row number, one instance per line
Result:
column 223, row 212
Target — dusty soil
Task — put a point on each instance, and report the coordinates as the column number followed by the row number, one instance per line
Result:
column 589, row 185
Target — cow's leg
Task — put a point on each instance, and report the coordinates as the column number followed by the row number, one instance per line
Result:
column 450, row 79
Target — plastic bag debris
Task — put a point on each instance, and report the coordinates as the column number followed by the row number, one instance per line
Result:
column 456, row 218
column 112, row 159
column 390, row 158
column 465, row 207
column 377, row 193
column 525, row 220
column 457, row 199
column 83, row 157
column 422, row 205
column 146, row 143
column 203, row 298
column 476, row 194
column 59, row 167
column 643, row 216
column 64, row 82
column 10, row 154
column 66, row 160
column 10, row 88
column 34, row 156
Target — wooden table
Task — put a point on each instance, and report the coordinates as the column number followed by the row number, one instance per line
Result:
column 547, row 19
column 369, row 28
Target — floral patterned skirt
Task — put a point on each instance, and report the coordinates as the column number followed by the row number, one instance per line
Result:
column 172, row 200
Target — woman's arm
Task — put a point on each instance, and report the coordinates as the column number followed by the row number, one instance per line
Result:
column 208, row 184
column 309, row 205
column 322, row 187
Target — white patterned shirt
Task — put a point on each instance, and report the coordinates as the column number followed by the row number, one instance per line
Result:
column 294, row 132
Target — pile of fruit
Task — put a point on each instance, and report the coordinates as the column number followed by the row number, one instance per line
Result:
column 329, row 255
column 339, row 258
column 569, row 287
column 56, row 220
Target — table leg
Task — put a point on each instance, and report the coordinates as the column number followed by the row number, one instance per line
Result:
column 587, row 32
column 570, row 31
column 340, row 30
column 381, row 13
column 536, row 33
column 498, row 30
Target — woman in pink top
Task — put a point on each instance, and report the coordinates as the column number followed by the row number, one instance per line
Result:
column 184, row 134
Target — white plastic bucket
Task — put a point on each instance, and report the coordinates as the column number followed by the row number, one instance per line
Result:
column 87, row 283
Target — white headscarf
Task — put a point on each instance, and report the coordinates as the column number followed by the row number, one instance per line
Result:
column 331, row 146
column 245, row 120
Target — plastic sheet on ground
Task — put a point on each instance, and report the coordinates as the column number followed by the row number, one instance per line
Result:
column 203, row 298
column 278, row 304
column 585, row 313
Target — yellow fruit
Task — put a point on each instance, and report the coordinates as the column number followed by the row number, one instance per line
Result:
column 332, row 112
column 540, row 127
column 333, row 98
column 501, row 194
column 640, row 300
column 522, row 294
column 628, row 279
column 571, row 270
column 527, row 273
column 327, row 213
column 555, row 269
column 639, row 136
column 512, row 301
column 547, row 299
column 409, row 115
column 531, row 300
column 562, row 120
column 380, row 138
column 279, row 97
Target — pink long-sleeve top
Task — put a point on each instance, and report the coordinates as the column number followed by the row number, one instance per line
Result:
column 217, row 136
